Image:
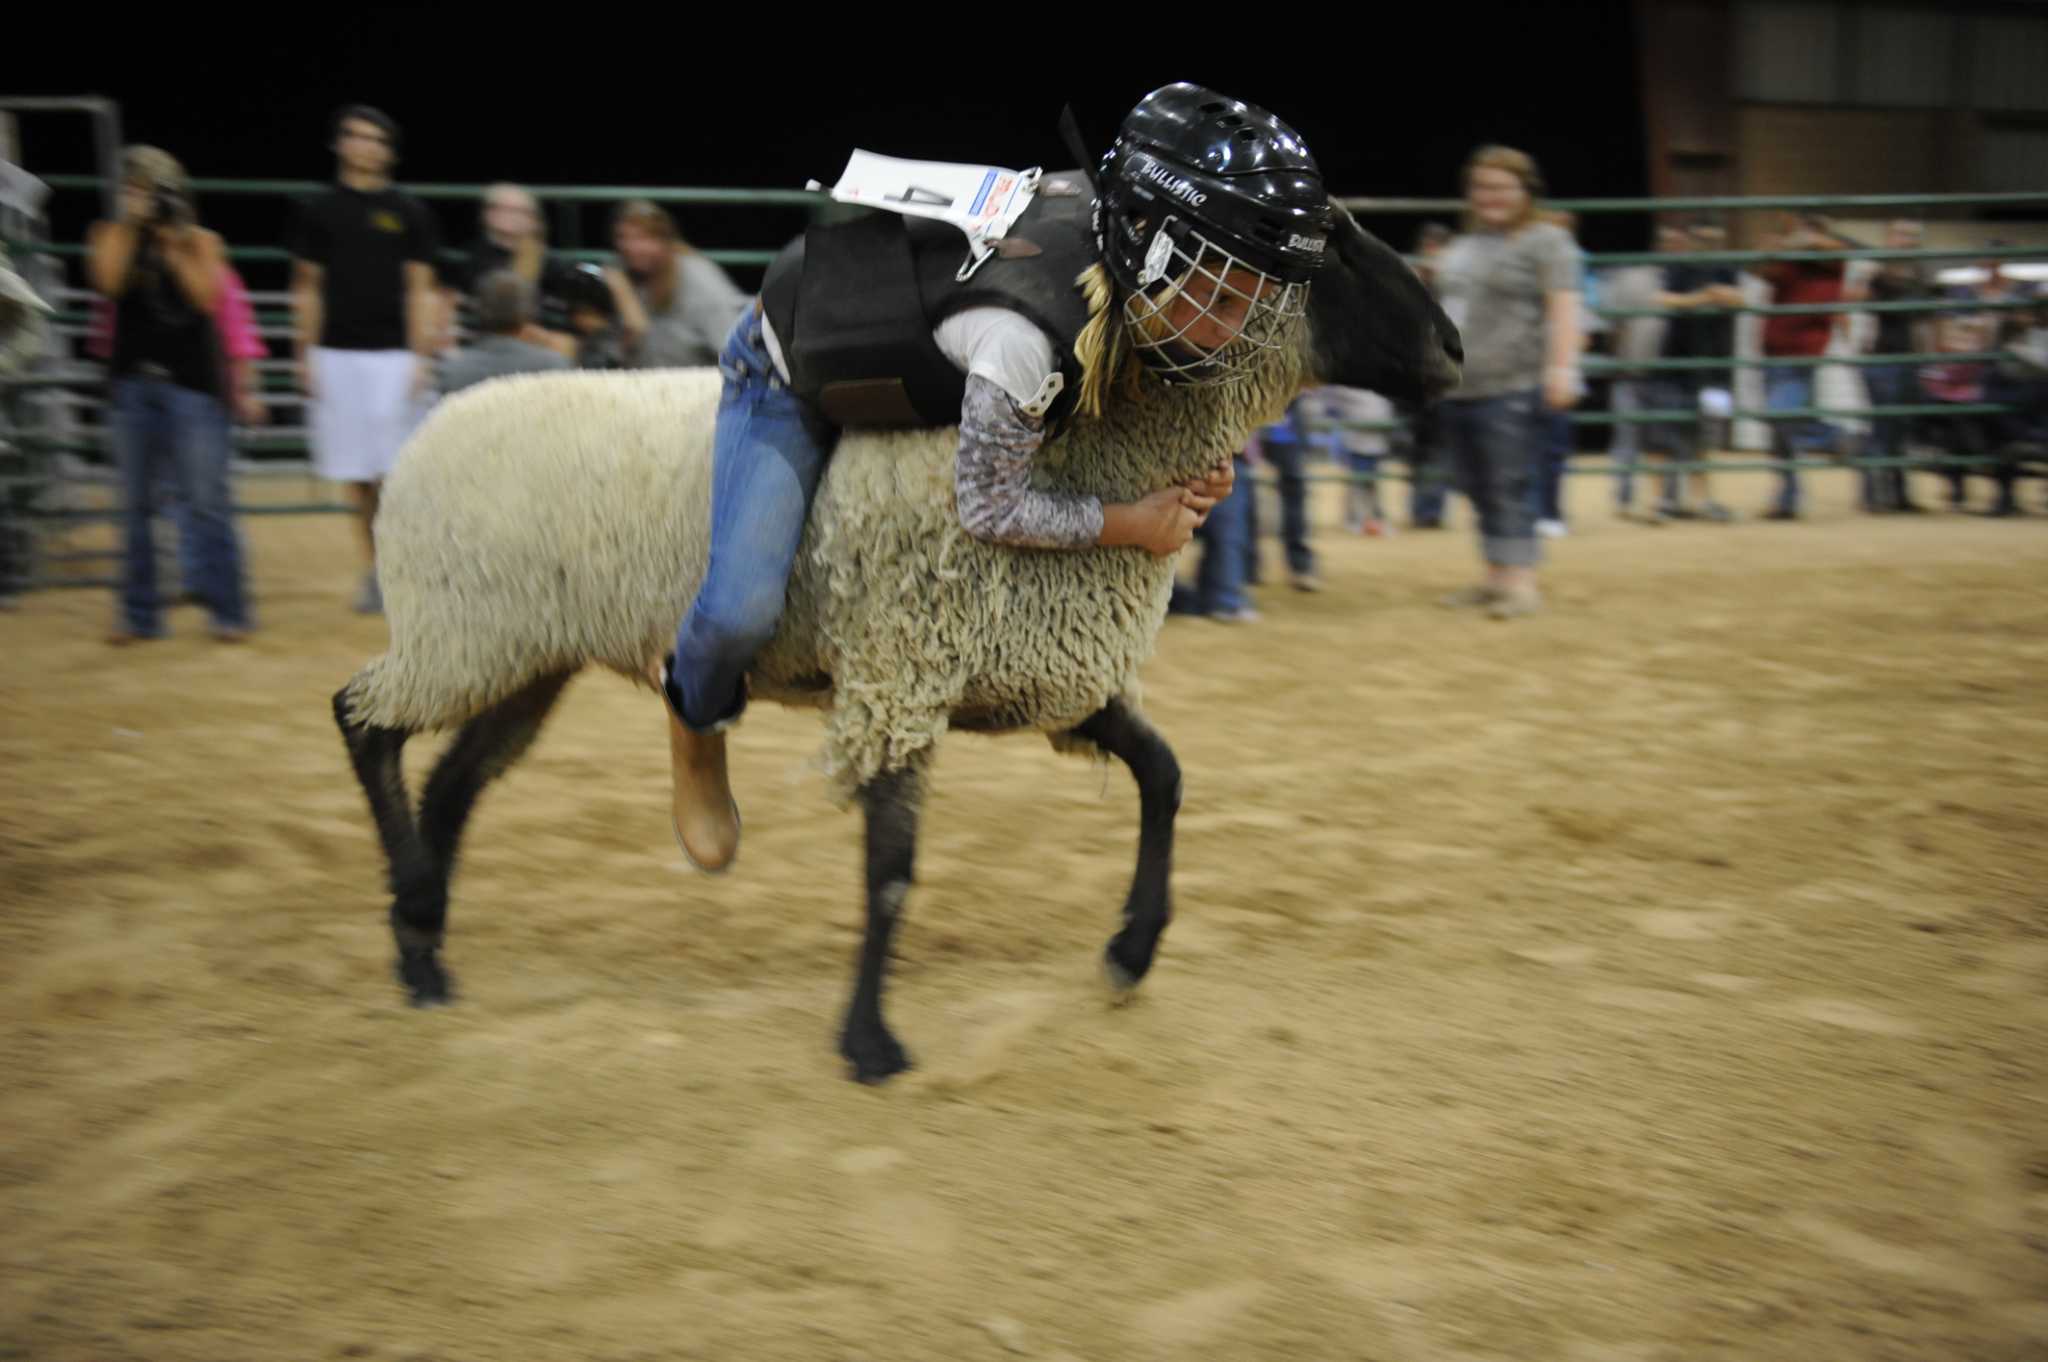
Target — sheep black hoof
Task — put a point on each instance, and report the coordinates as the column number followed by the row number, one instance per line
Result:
column 1123, row 985
column 873, row 1056
column 1125, row 967
column 426, row 983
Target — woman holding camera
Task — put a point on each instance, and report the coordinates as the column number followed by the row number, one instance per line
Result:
column 164, row 274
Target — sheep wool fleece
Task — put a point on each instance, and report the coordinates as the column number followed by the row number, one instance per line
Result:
column 541, row 523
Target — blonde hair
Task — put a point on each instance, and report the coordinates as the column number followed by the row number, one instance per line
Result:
column 1109, row 363
column 650, row 217
column 531, row 252
column 1519, row 164
column 157, row 170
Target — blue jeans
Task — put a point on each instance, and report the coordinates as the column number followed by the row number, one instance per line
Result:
column 1428, row 486
column 1547, row 488
column 156, row 422
column 1890, row 385
column 1493, row 444
column 1787, row 390
column 1289, row 460
column 173, row 506
column 1632, row 440
column 767, row 453
column 1626, row 442
column 1219, row 579
column 1362, row 499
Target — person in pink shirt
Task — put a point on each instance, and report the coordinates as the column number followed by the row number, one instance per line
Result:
column 241, row 343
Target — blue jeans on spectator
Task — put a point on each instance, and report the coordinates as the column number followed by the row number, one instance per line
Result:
column 1632, row 440
column 157, row 422
column 1625, row 444
column 1493, row 443
column 1289, row 460
column 1547, row 488
column 1362, row 500
column 767, row 451
column 1428, row 486
column 1890, row 385
column 1788, row 390
column 172, row 506
column 1219, row 578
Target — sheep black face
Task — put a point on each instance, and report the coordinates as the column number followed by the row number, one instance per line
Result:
column 1372, row 323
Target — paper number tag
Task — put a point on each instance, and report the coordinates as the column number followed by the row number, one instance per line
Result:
column 984, row 202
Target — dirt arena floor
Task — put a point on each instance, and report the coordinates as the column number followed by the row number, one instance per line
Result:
column 1660, row 979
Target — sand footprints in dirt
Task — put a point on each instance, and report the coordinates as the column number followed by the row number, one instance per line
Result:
column 1849, row 1015
column 1193, row 1317
column 1892, row 1260
column 1695, row 990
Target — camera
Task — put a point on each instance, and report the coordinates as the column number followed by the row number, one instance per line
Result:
column 166, row 206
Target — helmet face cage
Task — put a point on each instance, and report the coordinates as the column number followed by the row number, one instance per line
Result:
column 1199, row 271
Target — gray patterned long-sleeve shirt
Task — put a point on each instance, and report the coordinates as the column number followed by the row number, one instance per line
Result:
column 992, row 478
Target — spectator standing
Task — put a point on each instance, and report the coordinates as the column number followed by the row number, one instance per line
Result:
column 1510, row 283
column 164, row 274
column 1358, row 452
column 1218, row 591
column 1971, row 330
column 367, row 316
column 1798, row 336
column 1682, row 289
column 1893, row 385
column 1284, row 447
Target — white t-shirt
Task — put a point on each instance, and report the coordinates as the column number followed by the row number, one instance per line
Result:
column 1000, row 345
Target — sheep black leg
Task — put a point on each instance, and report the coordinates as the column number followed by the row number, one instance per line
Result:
column 486, row 748
column 419, row 894
column 1119, row 730
column 892, row 802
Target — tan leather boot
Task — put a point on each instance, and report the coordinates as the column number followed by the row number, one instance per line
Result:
column 707, row 819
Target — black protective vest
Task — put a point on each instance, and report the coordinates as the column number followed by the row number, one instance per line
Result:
column 854, row 305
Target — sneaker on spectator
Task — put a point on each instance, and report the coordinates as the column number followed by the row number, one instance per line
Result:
column 1306, row 581
column 1243, row 614
column 1514, row 604
column 1466, row 597
column 369, row 599
column 1375, row 528
column 1552, row 529
column 1716, row 513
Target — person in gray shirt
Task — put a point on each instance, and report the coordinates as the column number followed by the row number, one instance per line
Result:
column 690, row 303
column 504, row 307
column 1511, row 285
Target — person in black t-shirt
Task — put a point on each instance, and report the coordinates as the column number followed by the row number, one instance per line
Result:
column 364, row 297
column 164, row 274
column 1893, row 385
column 1686, row 288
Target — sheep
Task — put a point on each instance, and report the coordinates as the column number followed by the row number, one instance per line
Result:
column 539, row 524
